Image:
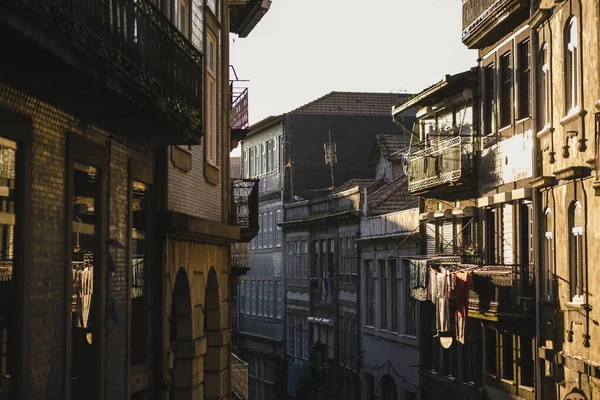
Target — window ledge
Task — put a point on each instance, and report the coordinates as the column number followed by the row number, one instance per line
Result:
column 573, row 114
column 521, row 120
column 576, row 304
column 504, row 129
column 546, row 130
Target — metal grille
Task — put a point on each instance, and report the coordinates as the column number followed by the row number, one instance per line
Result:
column 239, row 378
column 245, row 203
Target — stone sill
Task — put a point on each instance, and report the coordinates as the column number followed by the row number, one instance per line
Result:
column 572, row 116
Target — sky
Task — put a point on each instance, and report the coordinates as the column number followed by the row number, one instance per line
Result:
column 304, row 49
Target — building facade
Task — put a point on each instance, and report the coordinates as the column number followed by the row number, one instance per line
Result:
column 566, row 56
column 115, row 280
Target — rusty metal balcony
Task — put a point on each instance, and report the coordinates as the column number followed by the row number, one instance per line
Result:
column 245, row 14
column 244, row 207
column 503, row 289
column 441, row 163
column 124, row 55
column 485, row 21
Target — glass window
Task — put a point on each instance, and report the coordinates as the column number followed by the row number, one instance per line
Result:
column 508, row 364
column 571, row 66
column 279, row 300
column 491, row 349
column 383, row 301
column 8, row 289
column 253, row 298
column 369, row 293
column 271, row 294
column 393, row 294
column 488, row 106
column 577, row 255
column 260, row 298
column 271, row 239
column 506, row 90
column 543, row 88
column 278, row 228
column 139, row 302
column 211, row 99
column 524, row 72
column 248, row 297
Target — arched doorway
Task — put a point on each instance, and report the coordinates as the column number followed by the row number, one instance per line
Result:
column 388, row 388
column 214, row 365
column 181, row 331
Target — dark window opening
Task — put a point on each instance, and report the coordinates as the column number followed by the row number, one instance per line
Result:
column 524, row 84
column 488, row 105
column 507, row 356
column 491, row 347
column 505, row 92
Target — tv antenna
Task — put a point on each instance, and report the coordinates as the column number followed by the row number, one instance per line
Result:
column 330, row 156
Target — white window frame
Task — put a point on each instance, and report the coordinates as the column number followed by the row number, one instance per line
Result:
column 182, row 21
column 211, row 98
column 278, row 232
column 572, row 71
column 271, row 296
column 577, row 258
column 545, row 83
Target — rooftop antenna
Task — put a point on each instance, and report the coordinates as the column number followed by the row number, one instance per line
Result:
column 330, row 156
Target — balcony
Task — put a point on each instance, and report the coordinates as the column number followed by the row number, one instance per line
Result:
column 238, row 115
column 441, row 164
column 239, row 378
column 245, row 14
column 118, row 63
column 244, row 207
column 239, row 259
column 486, row 21
column 503, row 289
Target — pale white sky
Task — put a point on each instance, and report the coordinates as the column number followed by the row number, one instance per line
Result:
column 303, row 49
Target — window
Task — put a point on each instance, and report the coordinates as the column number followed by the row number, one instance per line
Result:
column 543, row 88
column 305, row 258
column 383, row 282
column 279, row 309
column 488, row 106
column 490, row 352
column 271, row 239
column 508, row 365
column 211, row 99
column 298, row 329
column 260, row 298
column 182, row 16
column 393, row 294
column 548, row 259
column 256, row 161
column 290, row 259
column 253, row 299
column 278, row 228
column 410, row 327
column 523, row 49
column 369, row 293
column 248, row 297
column 527, row 361
column 315, row 263
column 251, row 169
column 490, row 235
column 271, row 289
column 140, row 196
column 305, row 338
column 297, row 256
column 263, row 158
column 269, row 157
column 290, row 334
column 577, row 257
column 242, row 304
column 245, row 172
column 571, row 67
column 505, row 92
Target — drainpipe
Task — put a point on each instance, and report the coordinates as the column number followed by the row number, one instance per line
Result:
column 536, row 206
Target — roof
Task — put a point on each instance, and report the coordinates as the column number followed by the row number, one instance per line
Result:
column 236, row 167
column 353, row 103
column 391, row 198
column 371, row 185
column 447, row 86
column 391, row 145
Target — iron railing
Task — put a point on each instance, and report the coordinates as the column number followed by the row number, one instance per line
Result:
column 503, row 288
column 244, row 203
column 239, row 378
column 440, row 160
column 239, row 106
column 136, row 40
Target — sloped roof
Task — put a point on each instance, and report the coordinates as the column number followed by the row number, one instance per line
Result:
column 371, row 185
column 391, row 198
column 391, row 145
column 353, row 103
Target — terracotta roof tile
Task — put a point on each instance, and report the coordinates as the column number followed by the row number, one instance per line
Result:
column 391, row 197
column 353, row 103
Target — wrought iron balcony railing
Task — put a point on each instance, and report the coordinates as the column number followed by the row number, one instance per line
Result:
column 440, row 161
column 138, row 42
column 244, row 206
column 503, row 289
column 239, row 107
column 485, row 15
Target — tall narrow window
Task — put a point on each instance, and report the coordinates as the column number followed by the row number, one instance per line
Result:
column 260, row 298
column 279, row 309
column 491, row 352
column 253, row 299
column 543, row 89
column 508, row 364
column 410, row 325
column 290, row 259
column 383, row 306
column 488, row 106
column 577, row 253
column 278, row 228
column 251, row 169
column 211, row 99
column 571, row 66
column 271, row 295
column 182, row 16
column 248, row 297
column 305, row 338
column 297, row 265
column 269, row 160
column 271, row 238
column 524, row 73
column 369, row 293
column 527, row 361
column 139, row 264
column 242, row 296
column 290, row 334
column 506, row 90
column 305, row 258
column 393, row 294
column 8, row 287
